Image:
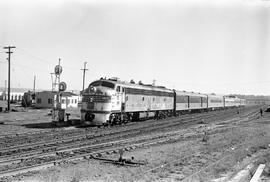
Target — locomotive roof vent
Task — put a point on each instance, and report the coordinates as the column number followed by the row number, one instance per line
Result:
column 160, row 86
column 132, row 81
column 114, row 79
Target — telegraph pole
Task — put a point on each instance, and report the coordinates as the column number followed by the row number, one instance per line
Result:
column 9, row 53
column 84, row 69
column 53, row 84
column 34, row 89
column 5, row 90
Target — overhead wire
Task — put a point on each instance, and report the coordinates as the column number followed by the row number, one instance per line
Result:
column 38, row 58
column 66, row 67
column 33, row 56
column 42, row 59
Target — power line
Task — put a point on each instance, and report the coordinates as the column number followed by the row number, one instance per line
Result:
column 34, row 56
column 9, row 53
column 41, row 59
column 27, row 67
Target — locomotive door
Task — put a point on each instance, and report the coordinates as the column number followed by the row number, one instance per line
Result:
column 123, row 100
column 120, row 98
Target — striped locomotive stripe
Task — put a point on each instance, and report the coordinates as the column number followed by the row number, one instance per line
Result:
column 136, row 91
column 96, row 98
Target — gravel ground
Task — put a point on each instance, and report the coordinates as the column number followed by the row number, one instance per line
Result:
column 220, row 157
column 30, row 120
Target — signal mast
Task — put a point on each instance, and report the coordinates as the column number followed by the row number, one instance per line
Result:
column 58, row 115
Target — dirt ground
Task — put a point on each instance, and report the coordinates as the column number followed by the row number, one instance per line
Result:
column 30, row 120
column 220, row 157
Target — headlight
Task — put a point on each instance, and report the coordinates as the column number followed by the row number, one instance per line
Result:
column 89, row 117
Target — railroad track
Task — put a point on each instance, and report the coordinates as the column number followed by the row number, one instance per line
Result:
column 61, row 145
column 47, row 145
column 58, row 134
column 84, row 150
column 243, row 120
column 52, row 145
column 73, row 134
column 44, row 161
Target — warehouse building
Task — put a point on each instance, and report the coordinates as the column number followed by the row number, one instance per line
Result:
column 3, row 105
column 46, row 99
column 16, row 95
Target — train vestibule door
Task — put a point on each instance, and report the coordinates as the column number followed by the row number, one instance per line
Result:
column 123, row 99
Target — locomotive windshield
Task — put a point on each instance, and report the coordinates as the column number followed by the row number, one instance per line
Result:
column 103, row 83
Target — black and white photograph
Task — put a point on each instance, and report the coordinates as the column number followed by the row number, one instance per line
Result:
column 135, row 90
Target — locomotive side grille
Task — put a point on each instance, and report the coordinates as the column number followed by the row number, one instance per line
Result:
column 96, row 98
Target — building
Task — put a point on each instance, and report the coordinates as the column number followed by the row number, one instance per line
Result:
column 47, row 99
column 16, row 94
column 3, row 105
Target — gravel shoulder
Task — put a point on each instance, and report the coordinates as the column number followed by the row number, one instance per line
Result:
column 217, row 158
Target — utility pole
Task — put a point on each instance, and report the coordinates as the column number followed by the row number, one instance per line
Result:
column 9, row 53
column 34, row 89
column 84, row 69
column 5, row 97
column 53, row 84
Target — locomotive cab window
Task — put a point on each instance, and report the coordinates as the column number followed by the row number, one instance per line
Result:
column 107, row 84
column 142, row 98
column 102, row 83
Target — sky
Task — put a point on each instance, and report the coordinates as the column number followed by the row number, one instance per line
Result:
column 202, row 46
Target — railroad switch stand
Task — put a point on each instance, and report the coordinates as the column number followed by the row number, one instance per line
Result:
column 121, row 160
column 124, row 162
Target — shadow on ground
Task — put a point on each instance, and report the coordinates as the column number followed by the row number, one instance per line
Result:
column 40, row 125
column 70, row 123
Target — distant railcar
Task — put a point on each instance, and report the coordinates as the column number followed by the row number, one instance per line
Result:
column 186, row 101
column 242, row 102
column 229, row 101
column 215, row 101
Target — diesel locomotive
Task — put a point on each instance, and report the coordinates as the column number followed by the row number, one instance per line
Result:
column 111, row 101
